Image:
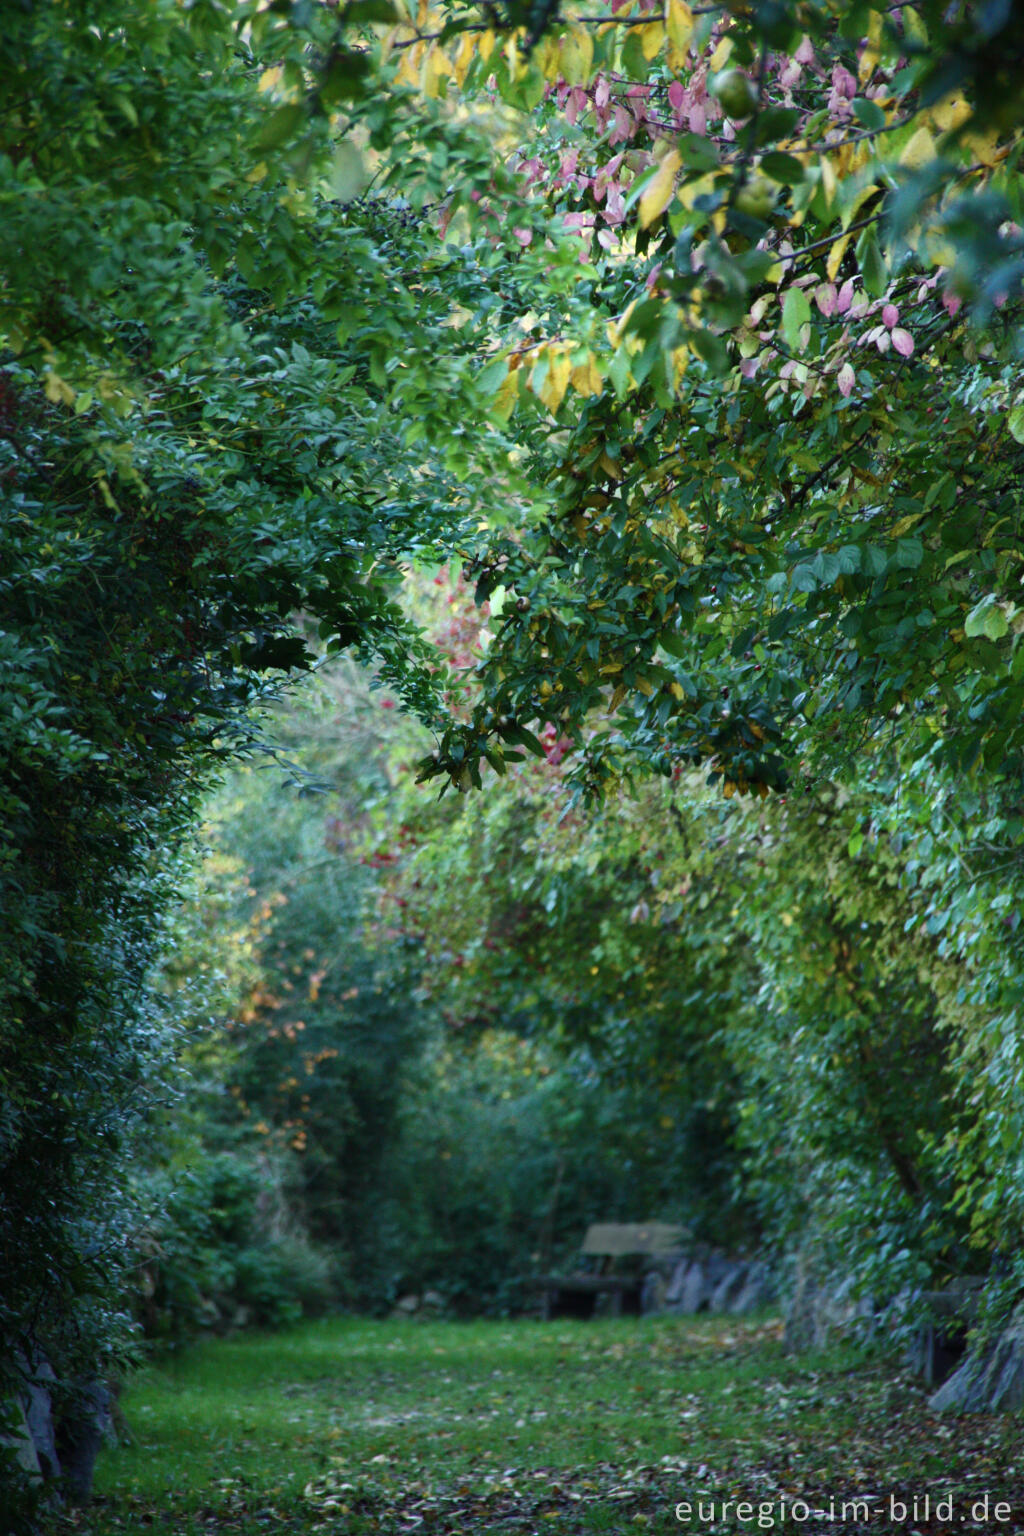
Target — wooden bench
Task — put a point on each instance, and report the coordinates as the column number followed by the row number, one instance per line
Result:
column 577, row 1295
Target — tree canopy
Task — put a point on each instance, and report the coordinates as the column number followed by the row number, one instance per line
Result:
column 688, row 335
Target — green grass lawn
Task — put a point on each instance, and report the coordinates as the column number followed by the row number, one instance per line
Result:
column 351, row 1427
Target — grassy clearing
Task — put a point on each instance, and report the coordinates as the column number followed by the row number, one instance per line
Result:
column 352, row 1427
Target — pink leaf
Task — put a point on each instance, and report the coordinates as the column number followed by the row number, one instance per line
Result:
column 843, row 82
column 846, row 379
column 826, row 300
column 890, row 315
column 844, row 298
column 698, row 118
column 951, row 303
column 676, row 95
column 805, row 53
column 903, row 342
column 624, row 127
column 615, row 205
column 602, row 92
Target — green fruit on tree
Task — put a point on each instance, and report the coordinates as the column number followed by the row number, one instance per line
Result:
column 756, row 198
column 734, row 92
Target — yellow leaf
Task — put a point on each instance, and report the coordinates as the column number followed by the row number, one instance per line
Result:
column 58, row 390
column 941, row 253
column 851, row 212
column 985, row 147
column 517, row 65
column 913, row 27
column 576, row 56
column 617, row 328
column 918, row 150
column 651, row 38
column 618, row 694
column 269, row 79
column 555, row 381
column 408, row 72
column 464, row 56
column 847, row 158
column 829, row 180
column 869, row 58
column 679, row 24
column 107, row 493
column 949, row 112
column 906, row 523
column 436, row 66
column 721, row 56
column 547, row 56
column 586, row 378
column 691, row 190
column 486, row 45
column 504, row 401
column 835, row 257
column 658, row 193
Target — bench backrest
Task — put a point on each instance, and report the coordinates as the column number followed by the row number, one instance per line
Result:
column 617, row 1240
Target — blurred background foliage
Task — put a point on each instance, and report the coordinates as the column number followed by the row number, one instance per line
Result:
column 444, row 1035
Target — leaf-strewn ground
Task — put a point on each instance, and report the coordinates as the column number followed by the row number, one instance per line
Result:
column 356, row 1427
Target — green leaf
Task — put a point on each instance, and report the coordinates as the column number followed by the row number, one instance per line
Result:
column 869, row 113
column 783, row 168
column 986, row 620
column 873, row 270
column 697, row 153
column 348, row 172
column 712, row 349
column 796, row 313
column 282, row 125
column 366, row 11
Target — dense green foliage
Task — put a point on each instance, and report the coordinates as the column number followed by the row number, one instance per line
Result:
column 189, row 454
column 335, row 1135
column 808, row 986
column 720, row 416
